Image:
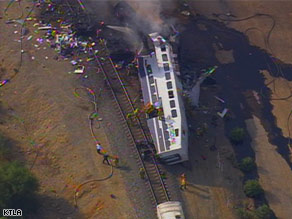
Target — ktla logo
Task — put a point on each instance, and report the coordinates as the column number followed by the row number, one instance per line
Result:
column 12, row 212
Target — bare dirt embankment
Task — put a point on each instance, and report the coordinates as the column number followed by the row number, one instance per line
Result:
column 275, row 174
column 49, row 126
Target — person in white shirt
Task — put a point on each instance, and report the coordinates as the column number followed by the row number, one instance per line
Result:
column 98, row 148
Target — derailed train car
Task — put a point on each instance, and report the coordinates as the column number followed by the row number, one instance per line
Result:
column 162, row 94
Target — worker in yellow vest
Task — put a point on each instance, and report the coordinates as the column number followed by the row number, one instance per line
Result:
column 183, row 181
column 133, row 114
column 142, row 173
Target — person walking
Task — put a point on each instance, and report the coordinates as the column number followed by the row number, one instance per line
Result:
column 99, row 148
column 142, row 173
column 105, row 159
column 183, row 182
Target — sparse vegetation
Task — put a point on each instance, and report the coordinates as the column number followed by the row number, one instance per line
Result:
column 245, row 214
column 252, row 188
column 17, row 185
column 237, row 135
column 247, row 164
column 263, row 212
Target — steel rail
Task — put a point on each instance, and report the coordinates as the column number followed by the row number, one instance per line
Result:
column 156, row 186
column 121, row 112
column 140, row 125
column 151, row 177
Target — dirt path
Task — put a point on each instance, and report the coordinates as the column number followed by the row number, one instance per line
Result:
column 274, row 173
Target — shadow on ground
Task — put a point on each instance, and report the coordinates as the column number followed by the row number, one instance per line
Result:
column 54, row 207
column 48, row 207
column 237, row 79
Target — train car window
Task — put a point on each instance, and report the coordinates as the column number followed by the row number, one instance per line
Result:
column 166, row 135
column 172, row 103
column 152, row 89
column 151, row 80
column 164, row 57
column 167, row 75
column 149, row 69
column 154, row 98
column 176, row 132
column 170, row 94
column 173, row 113
column 166, row 66
column 169, row 85
column 163, row 48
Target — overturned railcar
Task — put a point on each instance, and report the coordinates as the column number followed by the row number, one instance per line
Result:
column 162, row 94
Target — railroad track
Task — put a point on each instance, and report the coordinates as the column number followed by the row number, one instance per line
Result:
column 134, row 129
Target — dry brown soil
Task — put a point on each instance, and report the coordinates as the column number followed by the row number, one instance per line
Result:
column 39, row 105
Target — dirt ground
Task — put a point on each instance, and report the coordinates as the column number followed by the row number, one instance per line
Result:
column 272, row 167
column 214, row 185
column 41, row 115
column 49, row 126
column 275, row 183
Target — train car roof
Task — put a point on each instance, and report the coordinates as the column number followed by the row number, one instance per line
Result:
column 159, row 87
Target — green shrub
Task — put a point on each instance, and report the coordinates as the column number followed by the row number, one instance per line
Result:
column 247, row 164
column 263, row 212
column 244, row 214
column 17, row 187
column 252, row 188
column 237, row 135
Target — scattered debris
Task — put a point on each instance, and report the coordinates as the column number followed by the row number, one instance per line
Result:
column 209, row 71
column 257, row 97
column 73, row 62
column 223, row 113
column 186, row 13
column 218, row 98
column 2, row 83
column 79, row 70
column 30, row 37
column 45, row 28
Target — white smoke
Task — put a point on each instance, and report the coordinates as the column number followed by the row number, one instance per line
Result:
column 148, row 10
column 132, row 37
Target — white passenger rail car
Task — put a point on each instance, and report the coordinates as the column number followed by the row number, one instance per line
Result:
column 162, row 93
column 170, row 210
